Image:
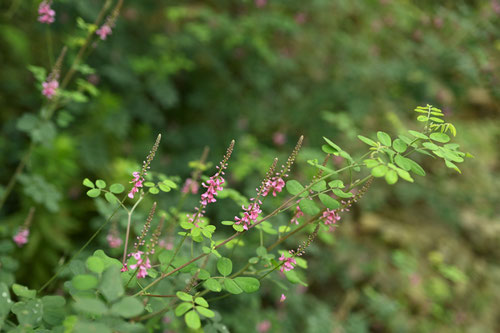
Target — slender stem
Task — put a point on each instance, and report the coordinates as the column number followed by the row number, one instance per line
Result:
column 81, row 249
column 16, row 174
column 128, row 227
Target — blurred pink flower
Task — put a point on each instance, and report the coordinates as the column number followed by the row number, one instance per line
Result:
column 279, row 138
column 288, row 263
column 114, row 240
column 260, row 3
column 46, row 14
column 50, row 88
column 282, row 298
column 300, row 18
column 104, row 31
column 263, row 326
column 190, row 186
column 21, row 237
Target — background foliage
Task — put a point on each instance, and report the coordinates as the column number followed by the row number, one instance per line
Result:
column 416, row 258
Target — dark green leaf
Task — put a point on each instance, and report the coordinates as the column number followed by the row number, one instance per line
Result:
column 232, row 287
column 213, row 285
column 294, row 187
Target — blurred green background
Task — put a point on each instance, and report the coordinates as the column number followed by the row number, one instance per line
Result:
column 420, row 257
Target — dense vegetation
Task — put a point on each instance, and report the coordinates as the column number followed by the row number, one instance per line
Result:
column 412, row 257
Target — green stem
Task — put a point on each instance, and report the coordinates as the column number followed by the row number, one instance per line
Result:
column 81, row 249
column 129, row 222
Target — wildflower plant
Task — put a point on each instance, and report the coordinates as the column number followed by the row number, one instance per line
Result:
column 150, row 280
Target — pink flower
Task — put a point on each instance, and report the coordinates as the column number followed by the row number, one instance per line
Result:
column 276, row 184
column 104, row 31
column 50, row 88
column 142, row 265
column 137, row 183
column 250, row 215
column 46, row 14
column 288, row 263
column 282, row 298
column 300, row 18
column 263, row 326
column 114, row 240
column 167, row 245
column 190, row 186
column 21, row 237
column 298, row 214
column 213, row 185
column 260, row 3
column 330, row 217
column 279, row 138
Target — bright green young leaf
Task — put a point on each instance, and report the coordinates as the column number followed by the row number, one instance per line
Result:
column 100, row 183
column 192, row 319
column 110, row 197
column 154, row 190
column 337, row 148
column 328, row 201
column 391, row 177
column 184, row 296
column 384, row 138
column 94, row 193
column 224, row 266
column 399, row 146
column 201, row 301
column 439, row 137
column 404, row 175
column 205, row 312
column 337, row 183
column 183, row 308
column 379, row 171
column 368, row 141
column 117, row 188
column 418, row 135
column 87, row 182
column 164, row 187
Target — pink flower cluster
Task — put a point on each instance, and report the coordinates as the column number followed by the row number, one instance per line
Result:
column 190, row 186
column 330, row 216
column 275, row 184
column 46, row 14
column 104, row 31
column 114, row 240
column 250, row 215
column 142, row 264
column 138, row 180
column 288, row 263
column 21, row 237
column 50, row 88
column 298, row 214
column 213, row 185
column 282, row 298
